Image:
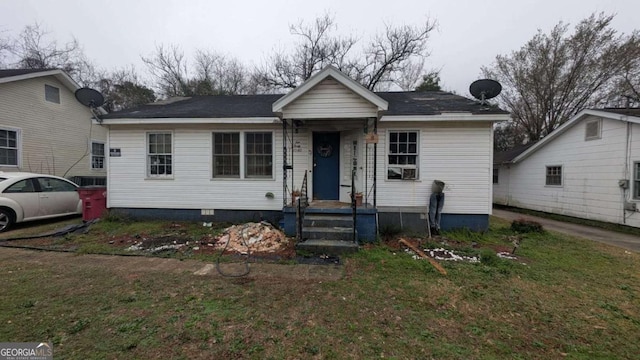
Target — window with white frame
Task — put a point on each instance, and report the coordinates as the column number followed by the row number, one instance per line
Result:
column 8, row 147
column 636, row 180
column 97, row 155
column 554, row 175
column 258, row 155
column 52, row 94
column 243, row 155
column 226, row 155
column 159, row 154
column 402, row 163
column 593, row 129
column 496, row 175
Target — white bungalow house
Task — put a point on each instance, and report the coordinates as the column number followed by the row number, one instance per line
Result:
column 589, row 168
column 44, row 129
column 245, row 156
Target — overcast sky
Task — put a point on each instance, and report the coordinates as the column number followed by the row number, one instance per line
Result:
column 470, row 34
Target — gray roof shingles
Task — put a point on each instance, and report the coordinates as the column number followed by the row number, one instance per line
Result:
column 16, row 72
column 504, row 157
column 221, row 106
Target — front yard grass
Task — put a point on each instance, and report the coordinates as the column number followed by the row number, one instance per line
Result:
column 573, row 299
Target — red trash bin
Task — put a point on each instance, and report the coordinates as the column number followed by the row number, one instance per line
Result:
column 94, row 201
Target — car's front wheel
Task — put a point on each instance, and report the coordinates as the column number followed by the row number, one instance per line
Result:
column 6, row 219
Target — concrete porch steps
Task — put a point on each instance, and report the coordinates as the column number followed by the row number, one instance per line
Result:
column 328, row 233
column 328, row 247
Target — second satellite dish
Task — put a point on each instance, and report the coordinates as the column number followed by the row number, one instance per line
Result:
column 485, row 89
column 89, row 97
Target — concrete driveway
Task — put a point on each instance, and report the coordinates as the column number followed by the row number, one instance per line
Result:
column 626, row 241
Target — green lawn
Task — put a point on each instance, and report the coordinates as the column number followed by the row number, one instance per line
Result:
column 574, row 299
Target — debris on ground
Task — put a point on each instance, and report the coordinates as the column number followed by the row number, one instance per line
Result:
column 258, row 237
column 506, row 255
column 424, row 256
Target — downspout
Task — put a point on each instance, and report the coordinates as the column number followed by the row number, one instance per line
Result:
column 375, row 164
column 627, row 160
column 284, row 163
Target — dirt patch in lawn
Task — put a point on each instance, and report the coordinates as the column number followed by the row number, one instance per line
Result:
column 261, row 240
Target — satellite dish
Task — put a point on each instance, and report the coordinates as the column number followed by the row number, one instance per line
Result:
column 485, row 89
column 89, row 97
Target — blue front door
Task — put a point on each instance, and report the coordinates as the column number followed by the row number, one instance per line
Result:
column 326, row 165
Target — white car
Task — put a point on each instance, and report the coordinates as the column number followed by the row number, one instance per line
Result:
column 29, row 196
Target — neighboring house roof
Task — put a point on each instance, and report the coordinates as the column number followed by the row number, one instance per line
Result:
column 330, row 71
column 10, row 75
column 504, row 157
column 238, row 106
column 631, row 115
column 625, row 111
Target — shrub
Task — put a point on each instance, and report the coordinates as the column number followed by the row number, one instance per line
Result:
column 526, row 226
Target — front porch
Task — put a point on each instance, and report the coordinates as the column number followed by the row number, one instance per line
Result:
column 332, row 220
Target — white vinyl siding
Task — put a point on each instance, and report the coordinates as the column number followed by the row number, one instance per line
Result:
column 9, row 147
column 590, row 175
column 460, row 154
column 97, row 155
column 53, row 138
column 52, row 94
column 192, row 186
column 329, row 100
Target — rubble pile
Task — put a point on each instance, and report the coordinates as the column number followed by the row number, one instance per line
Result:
column 445, row 254
column 258, row 237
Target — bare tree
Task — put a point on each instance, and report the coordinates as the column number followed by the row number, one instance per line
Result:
column 211, row 74
column 123, row 89
column 555, row 75
column 5, row 50
column 386, row 59
column 33, row 49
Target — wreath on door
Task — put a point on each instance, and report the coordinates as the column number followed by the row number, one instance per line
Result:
column 325, row 150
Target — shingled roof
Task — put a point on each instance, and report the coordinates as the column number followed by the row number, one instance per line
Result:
column 16, row 72
column 225, row 106
column 504, row 157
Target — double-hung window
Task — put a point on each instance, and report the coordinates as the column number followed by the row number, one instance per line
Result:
column 226, row 155
column 8, row 147
column 159, row 154
column 97, row 155
column 243, row 155
column 554, row 176
column 258, row 155
column 402, row 155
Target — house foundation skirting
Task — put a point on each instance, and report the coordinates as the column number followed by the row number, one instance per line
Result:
column 231, row 216
column 416, row 221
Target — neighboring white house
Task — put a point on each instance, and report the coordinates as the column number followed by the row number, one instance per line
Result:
column 589, row 168
column 44, row 129
column 242, row 156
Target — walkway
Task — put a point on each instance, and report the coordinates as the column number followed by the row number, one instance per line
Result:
column 626, row 241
